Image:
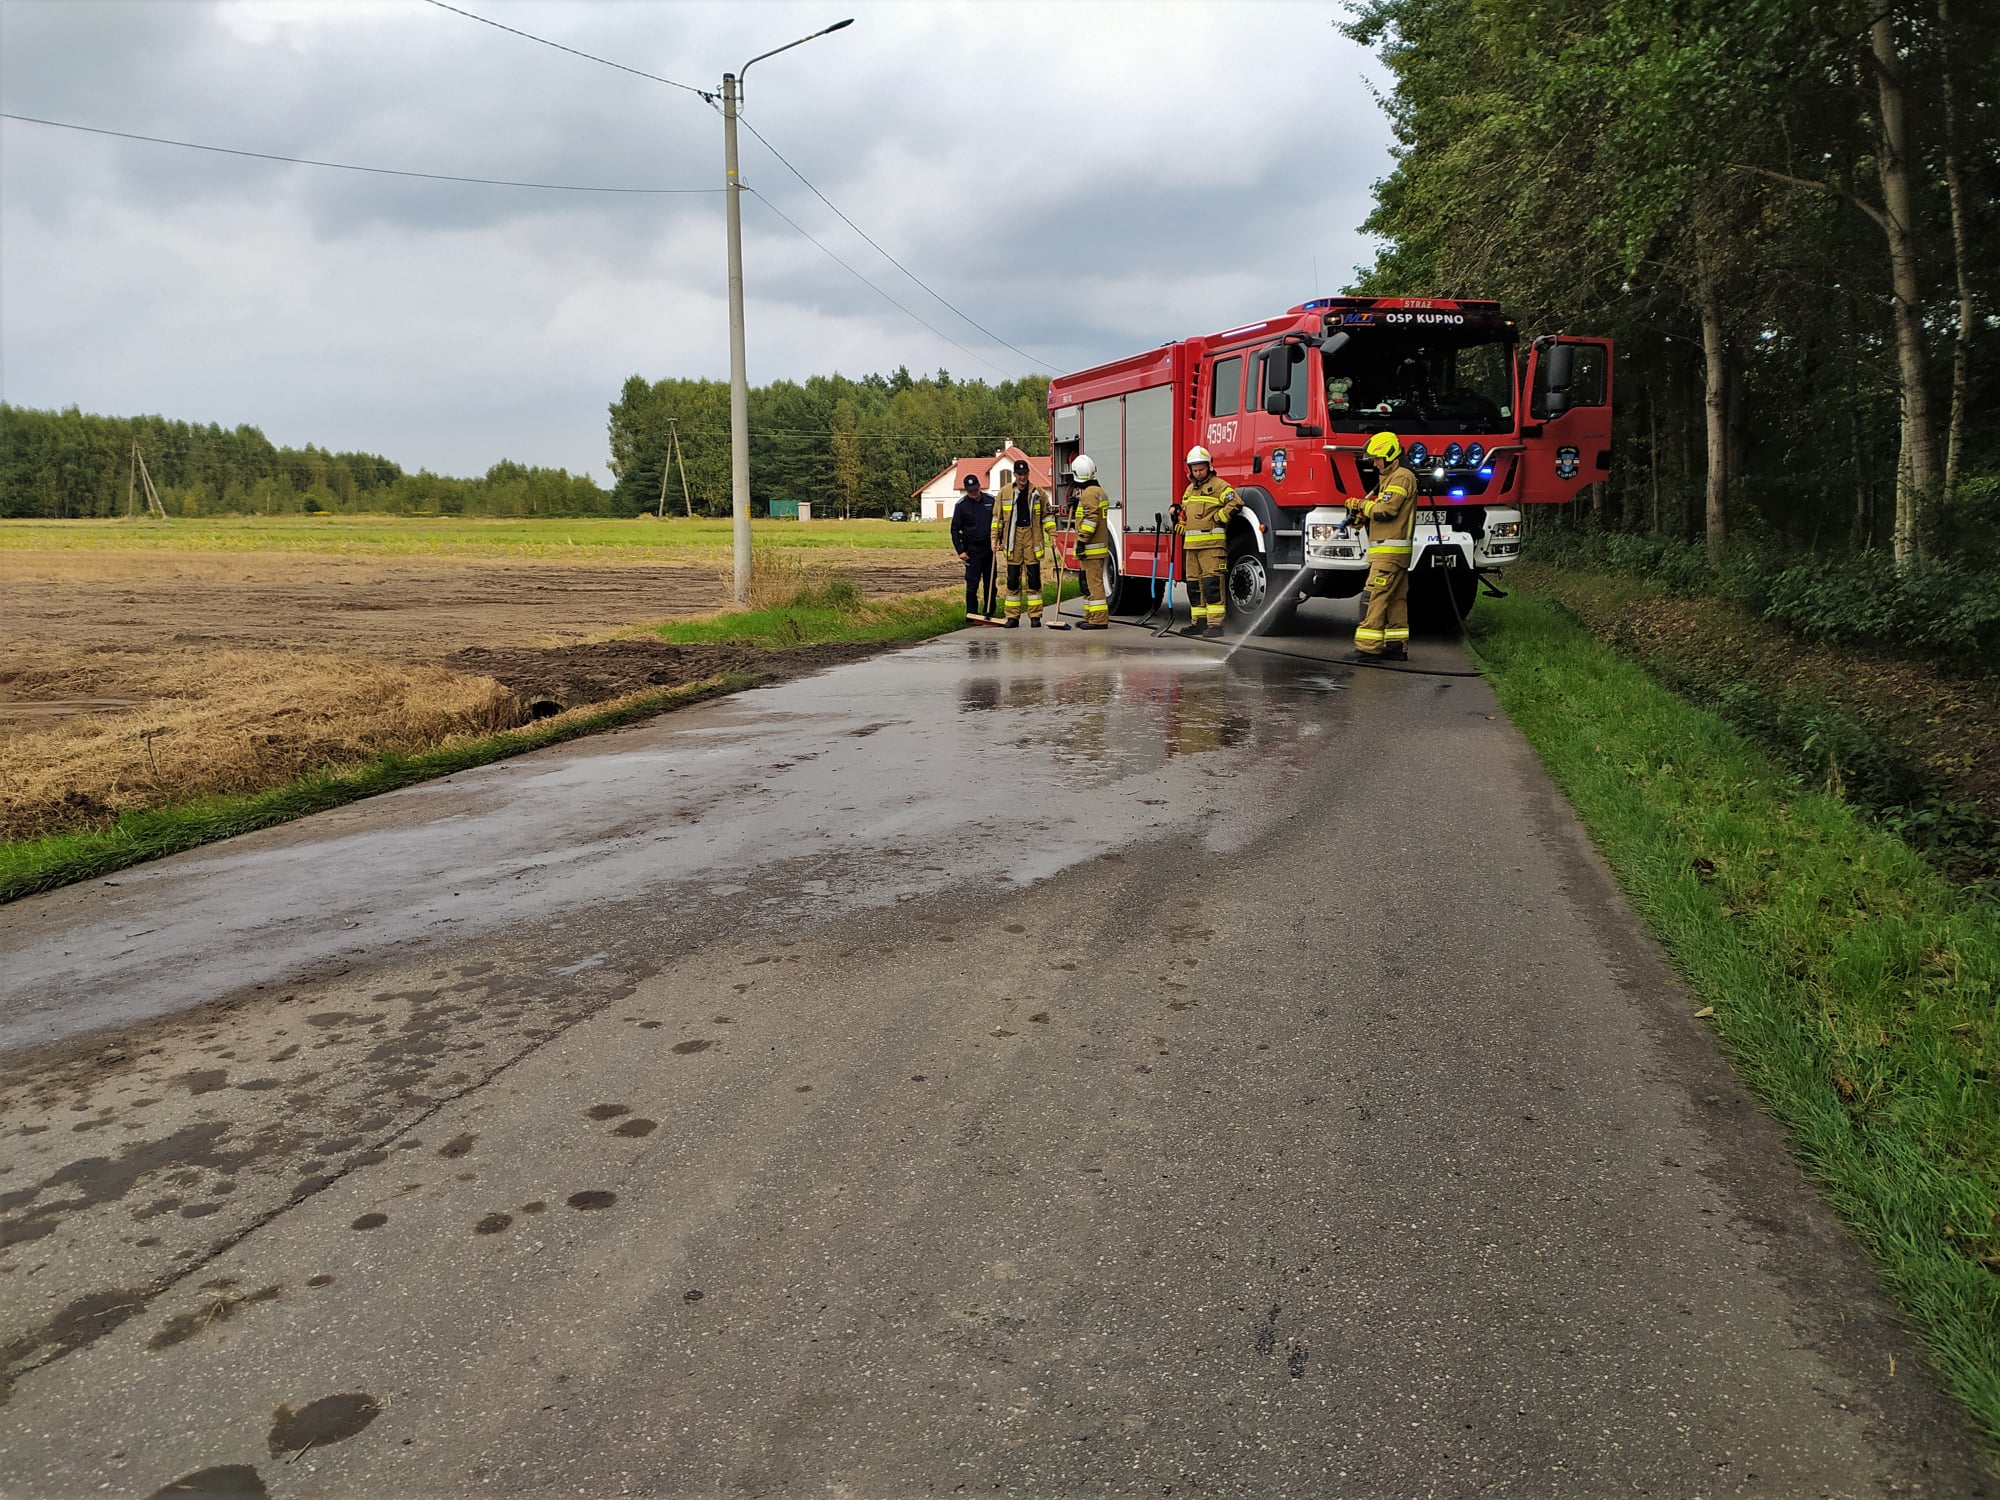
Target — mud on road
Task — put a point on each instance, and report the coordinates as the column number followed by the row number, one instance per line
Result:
column 549, row 679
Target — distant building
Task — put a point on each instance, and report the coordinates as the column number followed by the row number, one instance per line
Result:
column 935, row 499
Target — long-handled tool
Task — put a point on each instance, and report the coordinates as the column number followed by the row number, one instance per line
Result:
column 986, row 595
column 1170, row 593
column 1153, row 576
column 1055, row 561
column 980, row 612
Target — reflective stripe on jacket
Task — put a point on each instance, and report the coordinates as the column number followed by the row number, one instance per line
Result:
column 1391, row 513
column 1093, row 521
column 1041, row 518
column 1206, row 511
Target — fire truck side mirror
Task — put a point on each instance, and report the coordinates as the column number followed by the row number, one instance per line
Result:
column 1561, row 360
column 1278, row 361
column 1554, row 368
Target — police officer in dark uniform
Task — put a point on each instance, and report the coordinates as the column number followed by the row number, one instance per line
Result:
column 972, row 540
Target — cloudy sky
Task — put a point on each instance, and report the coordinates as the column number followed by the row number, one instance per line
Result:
column 1083, row 179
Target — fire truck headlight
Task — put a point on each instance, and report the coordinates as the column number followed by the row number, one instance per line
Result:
column 1419, row 454
column 1503, row 531
column 1453, row 454
column 1476, row 452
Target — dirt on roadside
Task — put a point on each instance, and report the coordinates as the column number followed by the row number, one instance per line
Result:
column 1946, row 726
column 549, row 679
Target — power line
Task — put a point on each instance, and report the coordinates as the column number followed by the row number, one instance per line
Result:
column 342, row 166
column 1039, row 363
column 574, row 52
column 709, row 98
column 874, row 288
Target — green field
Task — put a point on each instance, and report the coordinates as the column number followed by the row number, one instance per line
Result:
column 642, row 540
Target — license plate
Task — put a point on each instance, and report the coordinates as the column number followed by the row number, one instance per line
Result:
column 1429, row 518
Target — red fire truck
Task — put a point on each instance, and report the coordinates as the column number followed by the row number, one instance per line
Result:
column 1286, row 407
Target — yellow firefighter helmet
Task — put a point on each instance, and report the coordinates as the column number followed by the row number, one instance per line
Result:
column 1385, row 446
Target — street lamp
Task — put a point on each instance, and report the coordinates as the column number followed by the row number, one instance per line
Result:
column 739, row 390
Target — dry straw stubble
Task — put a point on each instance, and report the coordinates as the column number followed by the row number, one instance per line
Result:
column 221, row 721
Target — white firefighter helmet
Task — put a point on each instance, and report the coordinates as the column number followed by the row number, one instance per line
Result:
column 1200, row 456
column 1083, row 467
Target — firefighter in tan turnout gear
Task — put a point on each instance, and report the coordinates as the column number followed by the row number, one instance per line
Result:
column 1202, row 519
column 1023, row 521
column 1390, row 513
column 1093, row 541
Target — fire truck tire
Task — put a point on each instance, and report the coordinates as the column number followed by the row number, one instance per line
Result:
column 1433, row 595
column 1119, row 590
column 1247, row 589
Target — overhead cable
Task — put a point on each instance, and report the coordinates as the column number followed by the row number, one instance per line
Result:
column 574, row 52
column 710, row 98
column 874, row 288
column 342, row 166
column 1032, row 359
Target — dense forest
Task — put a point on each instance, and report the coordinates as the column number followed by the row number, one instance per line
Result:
column 72, row 464
column 851, row 447
column 1783, row 210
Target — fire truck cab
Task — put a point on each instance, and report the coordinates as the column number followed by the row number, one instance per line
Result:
column 1287, row 405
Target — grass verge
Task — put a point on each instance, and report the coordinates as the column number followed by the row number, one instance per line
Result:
column 33, row 865
column 1917, row 746
column 1857, row 990
column 816, row 618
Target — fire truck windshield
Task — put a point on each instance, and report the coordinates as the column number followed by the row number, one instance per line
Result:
column 1421, row 380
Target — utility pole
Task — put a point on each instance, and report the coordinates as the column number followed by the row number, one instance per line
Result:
column 739, row 389
column 687, row 500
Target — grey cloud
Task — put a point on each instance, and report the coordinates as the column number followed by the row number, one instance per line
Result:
column 1123, row 195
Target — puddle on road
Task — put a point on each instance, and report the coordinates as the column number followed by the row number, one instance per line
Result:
column 318, row 1424
column 1092, row 734
column 239, row 1481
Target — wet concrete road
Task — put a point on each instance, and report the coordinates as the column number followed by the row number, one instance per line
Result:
column 989, row 1067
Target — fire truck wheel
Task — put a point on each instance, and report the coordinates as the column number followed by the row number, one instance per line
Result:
column 1247, row 589
column 1115, row 589
column 1432, row 596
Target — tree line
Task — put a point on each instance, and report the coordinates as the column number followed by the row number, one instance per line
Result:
column 1783, row 210
column 851, row 447
column 71, row 464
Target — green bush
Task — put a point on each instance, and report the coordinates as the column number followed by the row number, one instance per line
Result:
column 1941, row 609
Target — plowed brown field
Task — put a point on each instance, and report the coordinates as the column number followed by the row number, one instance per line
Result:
column 130, row 677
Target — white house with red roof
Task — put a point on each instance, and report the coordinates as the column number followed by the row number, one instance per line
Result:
column 935, row 499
